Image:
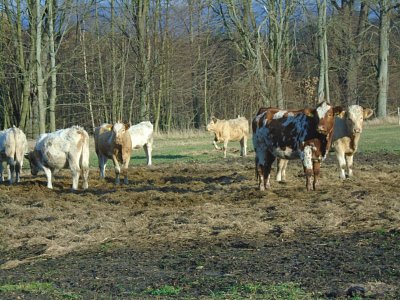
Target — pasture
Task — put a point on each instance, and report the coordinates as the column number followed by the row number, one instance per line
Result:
column 194, row 226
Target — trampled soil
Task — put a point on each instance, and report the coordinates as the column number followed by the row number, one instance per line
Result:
column 204, row 229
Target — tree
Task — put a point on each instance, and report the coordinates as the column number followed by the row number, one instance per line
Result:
column 385, row 7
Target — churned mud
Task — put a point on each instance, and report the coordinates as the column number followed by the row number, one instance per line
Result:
column 205, row 228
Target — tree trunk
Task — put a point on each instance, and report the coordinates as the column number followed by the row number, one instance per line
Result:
column 39, row 70
column 53, row 91
column 383, row 67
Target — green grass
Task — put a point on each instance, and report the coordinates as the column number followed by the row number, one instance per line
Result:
column 166, row 290
column 37, row 288
column 380, row 138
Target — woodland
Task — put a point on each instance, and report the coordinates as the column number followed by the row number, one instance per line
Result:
column 177, row 63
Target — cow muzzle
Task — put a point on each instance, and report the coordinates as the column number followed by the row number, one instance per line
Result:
column 357, row 130
column 322, row 130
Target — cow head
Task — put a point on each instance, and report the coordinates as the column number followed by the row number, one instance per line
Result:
column 33, row 162
column 355, row 116
column 211, row 125
column 325, row 114
column 119, row 130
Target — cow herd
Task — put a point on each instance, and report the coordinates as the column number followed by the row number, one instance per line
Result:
column 306, row 134
column 69, row 148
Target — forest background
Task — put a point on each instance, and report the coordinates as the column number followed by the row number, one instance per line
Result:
column 177, row 63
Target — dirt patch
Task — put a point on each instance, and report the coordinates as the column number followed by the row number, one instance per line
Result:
column 205, row 228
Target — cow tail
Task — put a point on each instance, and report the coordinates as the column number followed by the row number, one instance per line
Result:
column 21, row 146
column 10, row 149
column 84, row 159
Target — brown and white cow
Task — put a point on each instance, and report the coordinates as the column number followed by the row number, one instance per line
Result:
column 306, row 135
column 142, row 136
column 13, row 146
column 65, row 148
column 346, row 136
column 230, row 130
column 113, row 142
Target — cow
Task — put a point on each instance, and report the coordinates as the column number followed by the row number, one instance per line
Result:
column 113, row 142
column 13, row 146
column 306, row 135
column 346, row 135
column 277, row 113
column 230, row 130
column 62, row 149
column 142, row 136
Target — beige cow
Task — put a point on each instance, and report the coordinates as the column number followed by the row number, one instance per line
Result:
column 113, row 142
column 230, row 130
column 346, row 136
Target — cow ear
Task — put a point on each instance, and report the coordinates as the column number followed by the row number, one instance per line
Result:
column 127, row 125
column 367, row 112
column 337, row 110
column 214, row 119
column 309, row 112
column 342, row 114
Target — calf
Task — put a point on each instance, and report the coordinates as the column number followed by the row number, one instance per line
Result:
column 65, row 148
column 306, row 135
column 230, row 130
column 113, row 142
column 346, row 136
column 13, row 146
column 142, row 136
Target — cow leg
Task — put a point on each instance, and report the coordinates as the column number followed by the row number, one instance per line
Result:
column 342, row 164
column 47, row 172
column 225, row 147
column 316, row 169
column 349, row 163
column 267, row 171
column 117, row 169
column 215, row 144
column 147, row 150
column 102, row 165
column 243, row 147
column 281, row 170
column 18, row 172
column 1, row 172
column 10, row 170
column 125, row 166
column 76, row 171
column 308, row 166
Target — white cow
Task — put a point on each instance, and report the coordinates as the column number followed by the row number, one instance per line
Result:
column 13, row 146
column 346, row 136
column 142, row 136
column 65, row 148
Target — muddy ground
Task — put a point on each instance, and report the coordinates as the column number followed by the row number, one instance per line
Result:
column 204, row 229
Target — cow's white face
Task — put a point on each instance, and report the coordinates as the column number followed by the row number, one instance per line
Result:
column 355, row 116
column 119, row 130
column 212, row 124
